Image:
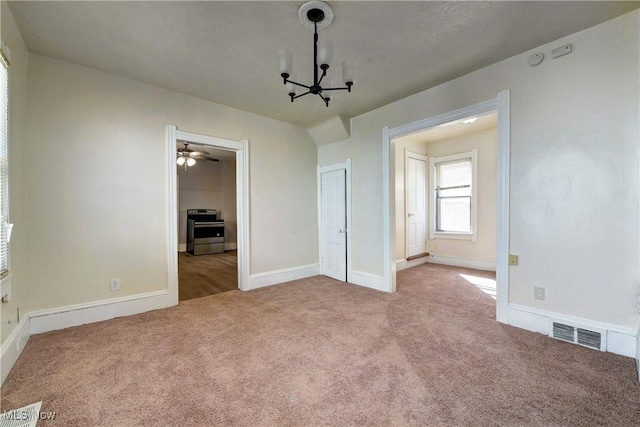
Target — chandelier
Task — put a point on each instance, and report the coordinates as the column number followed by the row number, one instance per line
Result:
column 315, row 14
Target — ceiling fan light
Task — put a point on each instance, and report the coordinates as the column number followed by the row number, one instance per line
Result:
column 349, row 72
column 180, row 161
column 285, row 62
column 191, row 161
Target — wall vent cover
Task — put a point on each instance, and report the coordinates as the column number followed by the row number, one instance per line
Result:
column 578, row 334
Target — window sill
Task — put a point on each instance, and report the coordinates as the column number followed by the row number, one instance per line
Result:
column 454, row 235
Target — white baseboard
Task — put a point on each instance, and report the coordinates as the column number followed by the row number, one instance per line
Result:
column 269, row 278
column 97, row 311
column 621, row 340
column 368, row 280
column 13, row 346
column 459, row 262
column 403, row 264
column 182, row 247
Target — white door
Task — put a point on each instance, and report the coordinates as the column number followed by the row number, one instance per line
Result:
column 333, row 224
column 416, row 199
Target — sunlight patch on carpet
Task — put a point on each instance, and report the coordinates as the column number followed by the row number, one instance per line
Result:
column 488, row 286
column 27, row 416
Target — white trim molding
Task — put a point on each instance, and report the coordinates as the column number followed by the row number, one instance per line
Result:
column 619, row 339
column 368, row 280
column 241, row 149
column 460, row 262
column 502, row 213
column 12, row 347
column 270, row 278
column 96, row 311
column 388, row 209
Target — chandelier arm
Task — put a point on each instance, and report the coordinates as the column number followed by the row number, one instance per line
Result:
column 297, row 84
column 302, row 94
column 324, row 73
column 326, row 100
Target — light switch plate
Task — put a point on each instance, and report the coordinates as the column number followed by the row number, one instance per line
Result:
column 513, row 259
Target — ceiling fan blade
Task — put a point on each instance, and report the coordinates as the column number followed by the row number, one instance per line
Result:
column 198, row 153
column 200, row 157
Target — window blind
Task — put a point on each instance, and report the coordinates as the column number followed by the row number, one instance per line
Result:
column 4, row 163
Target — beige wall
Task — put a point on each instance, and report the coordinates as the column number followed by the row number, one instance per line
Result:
column 484, row 249
column 208, row 185
column 574, row 170
column 17, row 158
column 96, row 187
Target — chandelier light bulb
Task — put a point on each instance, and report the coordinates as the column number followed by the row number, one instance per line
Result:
column 285, row 62
column 325, row 52
column 191, row 161
column 180, row 161
column 349, row 72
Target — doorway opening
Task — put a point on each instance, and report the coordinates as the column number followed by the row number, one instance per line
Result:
column 445, row 197
column 207, row 221
column 499, row 105
column 208, row 242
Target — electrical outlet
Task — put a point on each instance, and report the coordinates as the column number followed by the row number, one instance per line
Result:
column 562, row 50
column 513, row 259
column 115, row 285
column 538, row 292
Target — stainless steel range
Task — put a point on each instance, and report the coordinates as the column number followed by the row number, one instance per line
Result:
column 205, row 232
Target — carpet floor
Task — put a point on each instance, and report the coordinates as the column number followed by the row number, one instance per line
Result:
column 321, row 352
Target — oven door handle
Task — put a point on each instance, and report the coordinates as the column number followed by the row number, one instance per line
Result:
column 208, row 224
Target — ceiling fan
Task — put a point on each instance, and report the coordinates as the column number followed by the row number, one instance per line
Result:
column 188, row 157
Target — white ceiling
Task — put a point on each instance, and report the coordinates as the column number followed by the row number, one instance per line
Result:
column 453, row 129
column 225, row 52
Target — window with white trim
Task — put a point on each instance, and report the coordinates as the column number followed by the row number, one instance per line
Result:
column 4, row 163
column 453, row 195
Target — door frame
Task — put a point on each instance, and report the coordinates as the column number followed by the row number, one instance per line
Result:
column 501, row 105
column 346, row 166
column 425, row 158
column 241, row 148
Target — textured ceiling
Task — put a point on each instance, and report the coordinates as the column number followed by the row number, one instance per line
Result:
column 225, row 52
